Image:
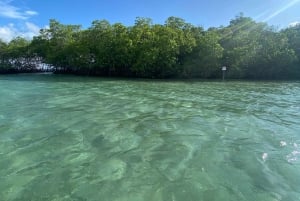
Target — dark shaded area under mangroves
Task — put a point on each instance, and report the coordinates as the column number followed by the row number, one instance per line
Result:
column 176, row 49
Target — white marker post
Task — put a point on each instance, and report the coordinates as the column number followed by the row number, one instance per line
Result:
column 223, row 72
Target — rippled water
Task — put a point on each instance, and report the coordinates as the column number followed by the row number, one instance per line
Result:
column 76, row 138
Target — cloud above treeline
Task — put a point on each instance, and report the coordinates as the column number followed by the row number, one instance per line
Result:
column 10, row 31
column 293, row 24
column 23, row 28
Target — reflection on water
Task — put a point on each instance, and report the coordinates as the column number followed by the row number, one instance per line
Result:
column 76, row 138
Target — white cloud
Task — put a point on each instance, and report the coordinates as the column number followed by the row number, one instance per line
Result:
column 32, row 27
column 9, row 11
column 31, row 12
column 31, row 30
column 7, row 32
column 10, row 31
column 293, row 24
column 23, row 28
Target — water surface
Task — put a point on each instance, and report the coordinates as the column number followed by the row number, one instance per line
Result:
column 77, row 138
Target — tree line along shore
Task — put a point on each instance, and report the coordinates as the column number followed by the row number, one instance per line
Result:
column 175, row 49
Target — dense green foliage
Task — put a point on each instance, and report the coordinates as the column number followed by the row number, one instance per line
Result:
column 176, row 49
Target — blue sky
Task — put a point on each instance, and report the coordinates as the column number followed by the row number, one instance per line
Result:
column 26, row 17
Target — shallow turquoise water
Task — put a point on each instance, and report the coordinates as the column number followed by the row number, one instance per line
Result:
column 76, row 138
